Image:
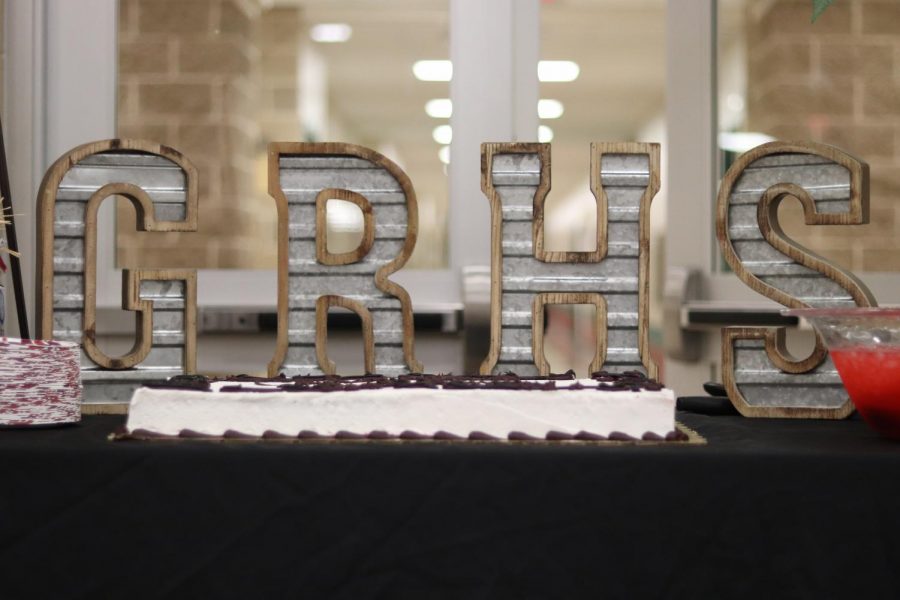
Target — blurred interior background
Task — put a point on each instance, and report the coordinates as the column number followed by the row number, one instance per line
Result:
column 219, row 79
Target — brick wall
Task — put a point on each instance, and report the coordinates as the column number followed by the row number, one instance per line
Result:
column 834, row 81
column 280, row 31
column 189, row 74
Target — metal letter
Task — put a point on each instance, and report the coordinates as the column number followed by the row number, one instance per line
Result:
column 302, row 178
column 162, row 186
column 525, row 277
column 762, row 378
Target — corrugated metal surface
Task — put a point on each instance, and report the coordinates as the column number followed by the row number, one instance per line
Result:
column 301, row 179
column 760, row 382
column 165, row 183
column 625, row 179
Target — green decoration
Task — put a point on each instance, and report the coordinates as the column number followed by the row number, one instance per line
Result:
column 819, row 7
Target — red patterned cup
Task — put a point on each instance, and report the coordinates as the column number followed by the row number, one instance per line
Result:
column 40, row 382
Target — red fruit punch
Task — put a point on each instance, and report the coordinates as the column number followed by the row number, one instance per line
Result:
column 872, row 378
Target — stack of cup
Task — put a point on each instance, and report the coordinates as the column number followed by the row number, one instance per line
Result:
column 40, row 382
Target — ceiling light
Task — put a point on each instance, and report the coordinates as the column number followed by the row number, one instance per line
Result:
column 558, row 70
column 742, row 141
column 439, row 108
column 545, row 134
column 330, row 33
column 444, row 154
column 549, row 109
column 442, row 134
column 433, row 70
column 548, row 70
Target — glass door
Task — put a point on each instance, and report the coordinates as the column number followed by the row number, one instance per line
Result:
column 775, row 75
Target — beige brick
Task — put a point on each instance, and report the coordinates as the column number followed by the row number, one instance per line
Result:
column 125, row 99
column 285, row 129
column 280, row 27
column 857, row 58
column 795, row 16
column 881, row 17
column 867, row 141
column 830, row 97
column 842, row 258
column 209, row 111
column 229, row 219
column 201, row 140
column 210, row 182
column 780, row 131
column 144, row 131
column 238, row 98
column 275, row 68
column 213, row 56
column 881, row 223
column 234, row 181
column 880, row 98
column 164, row 254
column 233, row 19
column 881, row 260
column 780, row 59
column 175, row 98
column 242, row 142
column 882, row 220
column 127, row 17
column 285, row 99
column 143, row 57
column 884, row 182
column 175, row 16
column 244, row 253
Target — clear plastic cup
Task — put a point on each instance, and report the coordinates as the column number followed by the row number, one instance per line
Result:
column 864, row 344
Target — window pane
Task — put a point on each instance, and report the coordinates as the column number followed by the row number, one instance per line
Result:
column 831, row 81
column 619, row 95
column 219, row 79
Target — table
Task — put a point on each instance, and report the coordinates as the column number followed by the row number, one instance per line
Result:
column 768, row 508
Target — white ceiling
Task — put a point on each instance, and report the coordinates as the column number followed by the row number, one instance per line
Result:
column 619, row 45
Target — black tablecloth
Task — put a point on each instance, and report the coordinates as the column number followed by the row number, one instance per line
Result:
column 769, row 508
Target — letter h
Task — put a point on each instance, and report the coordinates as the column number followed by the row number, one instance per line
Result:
column 525, row 277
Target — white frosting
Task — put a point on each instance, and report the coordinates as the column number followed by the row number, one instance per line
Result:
column 496, row 412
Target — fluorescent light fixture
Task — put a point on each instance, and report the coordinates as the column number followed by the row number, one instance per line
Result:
column 433, row 70
column 558, row 70
column 439, row 108
column 442, row 134
column 548, row 70
column 549, row 109
column 330, row 33
column 444, row 154
column 742, row 141
column 545, row 134
column 442, row 108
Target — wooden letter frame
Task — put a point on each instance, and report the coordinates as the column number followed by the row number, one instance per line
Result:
column 598, row 150
column 767, row 219
column 131, row 280
column 276, row 150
